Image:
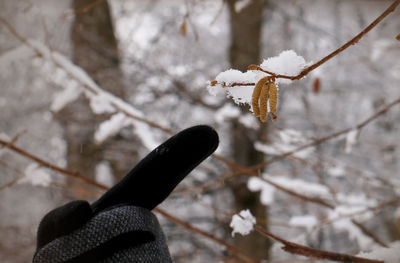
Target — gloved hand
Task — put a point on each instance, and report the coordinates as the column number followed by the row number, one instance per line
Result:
column 119, row 226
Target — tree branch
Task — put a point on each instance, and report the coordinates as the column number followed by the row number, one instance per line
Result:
column 321, row 140
column 307, row 70
column 50, row 165
column 298, row 249
column 234, row 250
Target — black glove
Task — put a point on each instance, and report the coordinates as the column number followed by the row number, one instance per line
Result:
column 119, row 226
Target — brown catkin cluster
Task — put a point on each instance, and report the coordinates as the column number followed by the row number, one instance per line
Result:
column 257, row 94
column 265, row 91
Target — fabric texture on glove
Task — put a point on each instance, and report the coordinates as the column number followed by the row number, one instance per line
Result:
column 121, row 234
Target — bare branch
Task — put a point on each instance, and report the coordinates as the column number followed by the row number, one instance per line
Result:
column 321, row 140
column 298, row 249
column 50, row 165
column 234, row 250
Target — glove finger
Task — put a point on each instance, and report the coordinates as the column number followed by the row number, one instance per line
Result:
column 63, row 220
column 154, row 178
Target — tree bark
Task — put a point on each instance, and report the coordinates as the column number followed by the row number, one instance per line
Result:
column 245, row 49
column 95, row 50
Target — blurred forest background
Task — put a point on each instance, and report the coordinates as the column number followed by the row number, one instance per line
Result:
column 341, row 193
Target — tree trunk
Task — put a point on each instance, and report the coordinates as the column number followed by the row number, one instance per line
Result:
column 95, row 50
column 245, row 49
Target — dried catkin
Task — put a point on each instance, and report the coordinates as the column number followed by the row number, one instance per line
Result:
column 252, row 67
column 273, row 97
column 256, row 95
column 264, row 102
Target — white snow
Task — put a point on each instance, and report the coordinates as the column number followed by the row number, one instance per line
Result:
column 100, row 103
column 64, row 97
column 4, row 137
column 299, row 185
column 388, row 255
column 228, row 111
column 111, row 127
column 145, row 133
column 351, row 139
column 289, row 136
column 242, row 223
column 287, row 63
column 241, row 4
column 248, row 121
column 336, row 171
column 267, row 191
column 277, row 148
column 100, row 100
column 104, row 174
column 36, row 176
column 353, row 206
column 307, row 221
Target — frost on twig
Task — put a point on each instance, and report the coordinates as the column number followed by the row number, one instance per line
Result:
column 258, row 86
column 242, row 223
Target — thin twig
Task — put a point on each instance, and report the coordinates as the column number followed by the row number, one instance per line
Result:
column 234, row 250
column 321, row 140
column 298, row 249
column 368, row 233
column 50, row 165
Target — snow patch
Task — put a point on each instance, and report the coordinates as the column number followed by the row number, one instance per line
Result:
column 241, row 4
column 388, row 255
column 111, row 127
column 36, row 176
column 267, row 191
column 228, row 111
column 242, row 223
column 307, row 221
column 351, row 140
column 64, row 97
column 104, row 174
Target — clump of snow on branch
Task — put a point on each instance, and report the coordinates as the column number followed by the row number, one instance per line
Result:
column 286, row 63
column 111, row 127
column 242, row 223
column 101, row 104
column 241, row 4
column 299, row 186
column 64, row 97
column 289, row 141
column 104, row 174
column 351, row 140
column 76, row 81
column 336, row 171
column 228, row 111
column 255, row 184
column 36, row 176
column 307, row 221
column 388, row 255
